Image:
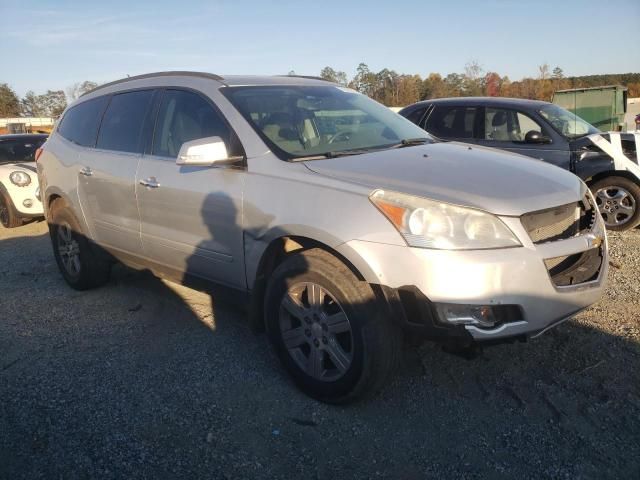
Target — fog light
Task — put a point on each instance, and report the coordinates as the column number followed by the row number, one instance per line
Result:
column 480, row 315
column 28, row 203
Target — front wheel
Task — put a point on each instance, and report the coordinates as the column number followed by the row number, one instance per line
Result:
column 8, row 215
column 618, row 200
column 327, row 328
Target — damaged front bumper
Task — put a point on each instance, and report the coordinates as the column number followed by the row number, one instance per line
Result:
column 510, row 293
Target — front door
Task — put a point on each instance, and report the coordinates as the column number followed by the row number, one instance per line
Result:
column 191, row 217
column 107, row 174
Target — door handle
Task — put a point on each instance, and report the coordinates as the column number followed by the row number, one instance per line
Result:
column 86, row 171
column 150, row 182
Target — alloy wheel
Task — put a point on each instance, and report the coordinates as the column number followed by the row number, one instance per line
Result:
column 69, row 249
column 616, row 205
column 316, row 331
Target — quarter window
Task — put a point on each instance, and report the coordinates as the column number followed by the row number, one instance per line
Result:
column 123, row 122
column 80, row 123
column 416, row 115
column 186, row 116
column 452, row 122
column 503, row 125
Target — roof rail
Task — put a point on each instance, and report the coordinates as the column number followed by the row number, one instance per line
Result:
column 309, row 77
column 211, row 76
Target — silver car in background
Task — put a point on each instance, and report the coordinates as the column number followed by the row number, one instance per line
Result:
column 345, row 225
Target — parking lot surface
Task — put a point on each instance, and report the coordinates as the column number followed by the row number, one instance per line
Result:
column 147, row 379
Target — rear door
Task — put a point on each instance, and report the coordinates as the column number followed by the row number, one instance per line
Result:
column 191, row 215
column 107, row 173
column 506, row 128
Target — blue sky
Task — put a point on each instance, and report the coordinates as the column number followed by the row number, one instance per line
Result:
column 51, row 45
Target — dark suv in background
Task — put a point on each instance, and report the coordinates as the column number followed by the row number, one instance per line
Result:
column 547, row 132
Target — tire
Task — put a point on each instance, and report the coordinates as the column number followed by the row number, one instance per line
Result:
column 618, row 200
column 349, row 364
column 79, row 264
column 9, row 217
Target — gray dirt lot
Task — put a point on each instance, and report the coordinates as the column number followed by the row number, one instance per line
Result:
column 142, row 379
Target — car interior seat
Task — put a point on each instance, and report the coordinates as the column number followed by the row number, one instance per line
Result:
column 280, row 129
column 499, row 130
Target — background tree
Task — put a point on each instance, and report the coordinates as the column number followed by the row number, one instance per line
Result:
column 634, row 90
column 50, row 104
column 365, row 81
column 557, row 73
column 334, row 76
column 454, row 85
column 409, row 89
column 433, row 87
column 544, row 87
column 492, row 84
column 31, row 105
column 76, row 90
column 9, row 102
column 473, row 79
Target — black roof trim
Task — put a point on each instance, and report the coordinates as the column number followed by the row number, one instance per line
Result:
column 8, row 136
column 211, row 76
column 308, row 77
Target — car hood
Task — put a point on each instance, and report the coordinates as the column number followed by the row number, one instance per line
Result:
column 492, row 180
column 30, row 166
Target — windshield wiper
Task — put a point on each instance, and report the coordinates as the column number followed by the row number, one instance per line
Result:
column 410, row 142
column 336, row 154
column 407, row 142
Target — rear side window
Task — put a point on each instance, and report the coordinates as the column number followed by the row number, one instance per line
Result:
column 123, row 122
column 452, row 122
column 80, row 123
column 186, row 116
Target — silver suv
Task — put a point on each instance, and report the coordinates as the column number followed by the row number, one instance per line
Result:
column 346, row 225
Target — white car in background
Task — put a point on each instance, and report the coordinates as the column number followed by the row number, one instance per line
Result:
column 19, row 191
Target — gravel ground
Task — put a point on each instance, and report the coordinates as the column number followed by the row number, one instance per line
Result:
column 146, row 379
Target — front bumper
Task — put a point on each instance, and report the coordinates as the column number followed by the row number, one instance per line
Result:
column 514, row 276
column 29, row 193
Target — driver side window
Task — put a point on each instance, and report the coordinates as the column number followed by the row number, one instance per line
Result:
column 503, row 125
column 186, row 116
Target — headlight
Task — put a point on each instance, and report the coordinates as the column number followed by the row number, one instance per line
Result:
column 21, row 179
column 431, row 224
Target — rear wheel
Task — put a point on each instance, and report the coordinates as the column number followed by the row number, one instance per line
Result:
column 79, row 264
column 327, row 328
column 618, row 200
column 8, row 215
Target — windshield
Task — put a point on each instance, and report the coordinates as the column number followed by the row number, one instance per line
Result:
column 566, row 123
column 299, row 121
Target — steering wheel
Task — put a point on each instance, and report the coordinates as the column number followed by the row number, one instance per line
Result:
column 339, row 135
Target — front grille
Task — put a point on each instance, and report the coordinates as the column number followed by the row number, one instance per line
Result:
column 560, row 223
column 575, row 269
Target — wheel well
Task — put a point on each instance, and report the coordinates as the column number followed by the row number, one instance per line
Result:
column 613, row 173
column 52, row 198
column 275, row 253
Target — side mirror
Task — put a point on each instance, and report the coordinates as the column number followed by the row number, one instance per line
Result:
column 533, row 136
column 204, row 152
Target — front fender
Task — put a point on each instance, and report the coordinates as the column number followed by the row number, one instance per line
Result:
column 257, row 243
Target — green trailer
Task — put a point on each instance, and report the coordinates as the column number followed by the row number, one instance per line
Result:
column 602, row 107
